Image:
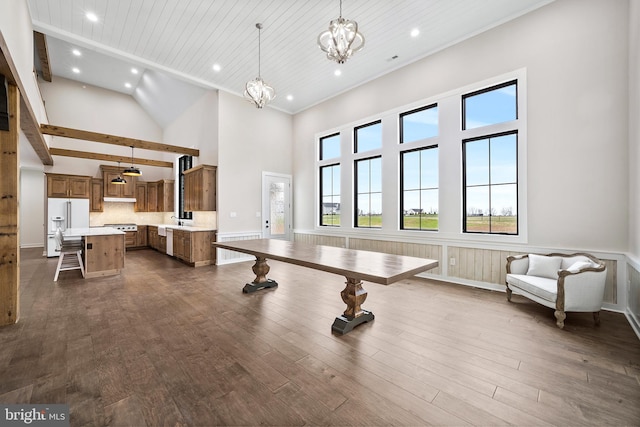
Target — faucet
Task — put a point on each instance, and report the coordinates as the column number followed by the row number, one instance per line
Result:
column 179, row 220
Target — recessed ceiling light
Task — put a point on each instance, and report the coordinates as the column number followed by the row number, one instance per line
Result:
column 415, row 32
column 289, row 97
column 91, row 16
column 216, row 67
column 75, row 70
column 127, row 85
column 76, row 52
column 337, row 72
column 134, row 71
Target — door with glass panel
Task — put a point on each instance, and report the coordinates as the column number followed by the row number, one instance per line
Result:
column 276, row 206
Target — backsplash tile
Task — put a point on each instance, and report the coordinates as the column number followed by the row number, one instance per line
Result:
column 124, row 213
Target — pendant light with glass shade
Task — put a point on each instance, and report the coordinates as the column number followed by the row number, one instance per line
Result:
column 341, row 40
column 257, row 91
column 132, row 171
column 118, row 180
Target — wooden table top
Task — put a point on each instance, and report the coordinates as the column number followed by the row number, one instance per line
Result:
column 357, row 264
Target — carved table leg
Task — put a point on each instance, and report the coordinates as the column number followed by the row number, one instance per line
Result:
column 260, row 269
column 354, row 296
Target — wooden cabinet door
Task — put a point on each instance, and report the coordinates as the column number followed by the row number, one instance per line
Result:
column 130, row 239
column 96, row 202
column 152, row 197
column 57, row 186
column 200, row 188
column 111, row 190
column 129, row 189
column 141, row 236
column 141, row 197
column 79, row 187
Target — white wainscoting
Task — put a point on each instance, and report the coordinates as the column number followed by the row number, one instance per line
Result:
column 225, row 256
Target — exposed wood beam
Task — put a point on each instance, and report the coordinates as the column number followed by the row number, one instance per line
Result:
column 40, row 41
column 9, row 212
column 115, row 140
column 28, row 122
column 109, row 157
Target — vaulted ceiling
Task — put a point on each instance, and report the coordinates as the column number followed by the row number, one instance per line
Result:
column 183, row 39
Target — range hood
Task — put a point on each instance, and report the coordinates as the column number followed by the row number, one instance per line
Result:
column 120, row 199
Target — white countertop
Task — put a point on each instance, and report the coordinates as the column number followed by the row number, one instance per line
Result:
column 183, row 227
column 92, row 231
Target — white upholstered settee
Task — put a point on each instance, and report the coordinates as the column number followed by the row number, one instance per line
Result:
column 572, row 282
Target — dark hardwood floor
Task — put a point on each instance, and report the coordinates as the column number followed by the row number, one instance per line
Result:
column 167, row 344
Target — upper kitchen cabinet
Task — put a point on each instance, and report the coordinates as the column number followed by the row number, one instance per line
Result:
column 127, row 190
column 200, row 188
column 68, row 186
column 141, row 197
column 158, row 194
column 96, row 203
column 165, row 195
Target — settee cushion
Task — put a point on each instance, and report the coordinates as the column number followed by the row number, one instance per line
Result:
column 544, row 266
column 576, row 266
column 541, row 287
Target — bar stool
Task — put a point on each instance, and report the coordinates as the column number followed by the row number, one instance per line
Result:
column 70, row 254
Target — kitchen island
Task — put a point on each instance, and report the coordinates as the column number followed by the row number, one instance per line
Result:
column 103, row 252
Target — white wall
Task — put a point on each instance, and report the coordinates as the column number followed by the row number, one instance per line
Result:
column 17, row 32
column 197, row 128
column 575, row 55
column 250, row 141
column 634, row 129
column 32, row 197
column 79, row 106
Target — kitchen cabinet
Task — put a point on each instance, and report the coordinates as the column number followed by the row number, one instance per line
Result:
column 159, row 195
column 157, row 242
column 96, row 203
column 141, row 197
column 130, row 239
column 165, row 195
column 192, row 247
column 152, row 197
column 68, row 186
column 141, row 236
column 200, row 188
column 127, row 190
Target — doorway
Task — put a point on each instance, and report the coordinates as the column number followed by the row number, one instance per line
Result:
column 276, row 206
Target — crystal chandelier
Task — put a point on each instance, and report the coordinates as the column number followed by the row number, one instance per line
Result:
column 257, row 91
column 341, row 40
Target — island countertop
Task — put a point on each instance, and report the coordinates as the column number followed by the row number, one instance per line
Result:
column 92, row 231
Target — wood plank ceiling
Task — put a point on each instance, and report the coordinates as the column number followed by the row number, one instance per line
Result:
column 185, row 38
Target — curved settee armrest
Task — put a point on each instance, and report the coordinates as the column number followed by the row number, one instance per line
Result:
column 517, row 264
column 582, row 287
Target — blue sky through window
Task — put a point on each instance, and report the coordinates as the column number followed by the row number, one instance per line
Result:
column 420, row 124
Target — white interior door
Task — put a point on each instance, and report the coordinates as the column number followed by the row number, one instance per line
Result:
column 276, row 206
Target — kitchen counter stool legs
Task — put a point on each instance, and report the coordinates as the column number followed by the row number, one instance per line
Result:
column 70, row 255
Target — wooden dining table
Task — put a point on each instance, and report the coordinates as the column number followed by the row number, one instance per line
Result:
column 355, row 265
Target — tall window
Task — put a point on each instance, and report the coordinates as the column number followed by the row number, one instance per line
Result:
column 368, row 206
column 330, row 195
column 490, row 160
column 329, row 149
column 491, row 184
column 184, row 163
column 419, row 189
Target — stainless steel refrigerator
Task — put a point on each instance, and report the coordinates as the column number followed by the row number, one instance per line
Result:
column 65, row 213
